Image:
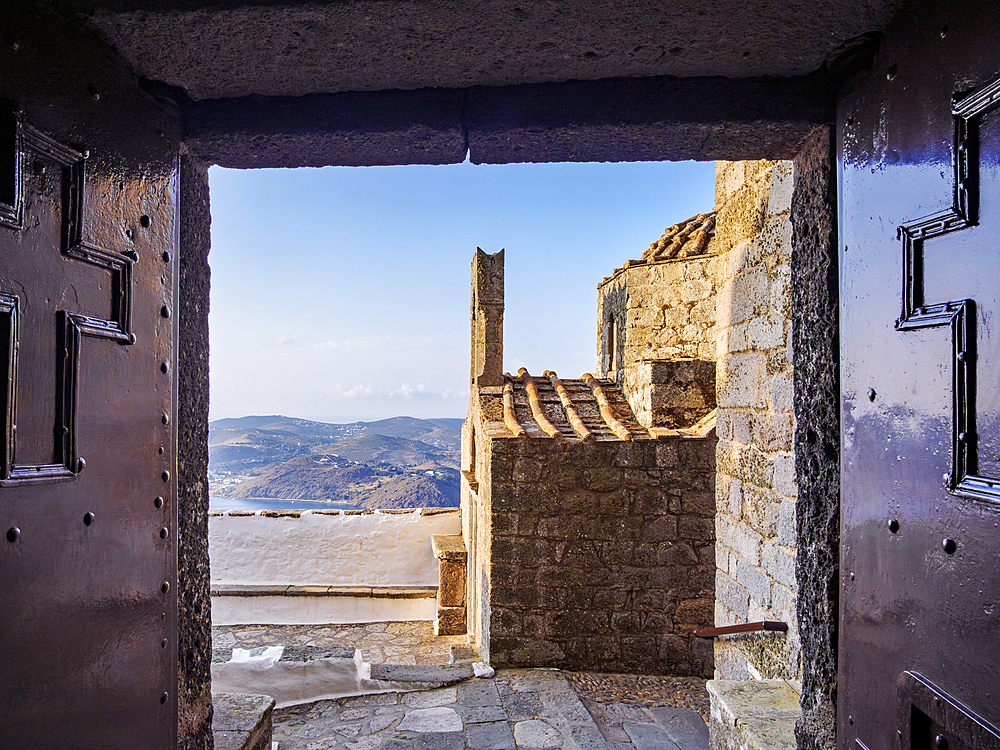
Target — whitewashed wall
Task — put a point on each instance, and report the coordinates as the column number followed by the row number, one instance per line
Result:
column 369, row 549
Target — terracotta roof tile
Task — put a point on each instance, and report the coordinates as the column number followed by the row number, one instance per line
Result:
column 575, row 409
column 685, row 239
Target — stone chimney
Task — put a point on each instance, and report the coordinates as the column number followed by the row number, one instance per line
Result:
column 487, row 319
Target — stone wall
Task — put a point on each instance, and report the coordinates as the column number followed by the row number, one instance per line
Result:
column 601, row 554
column 658, row 310
column 194, row 624
column 756, row 482
column 817, row 436
column 672, row 393
column 387, row 548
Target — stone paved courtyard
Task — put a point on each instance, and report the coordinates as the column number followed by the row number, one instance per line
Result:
column 525, row 709
column 517, row 709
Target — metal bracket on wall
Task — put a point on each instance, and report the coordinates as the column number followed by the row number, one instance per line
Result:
column 747, row 627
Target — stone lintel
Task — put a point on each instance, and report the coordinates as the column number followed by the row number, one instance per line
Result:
column 348, row 129
column 634, row 119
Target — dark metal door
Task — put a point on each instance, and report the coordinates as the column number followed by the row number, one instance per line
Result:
column 919, row 162
column 87, row 547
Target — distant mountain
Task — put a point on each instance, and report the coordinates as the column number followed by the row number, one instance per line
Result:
column 417, row 491
column 392, row 450
column 392, row 463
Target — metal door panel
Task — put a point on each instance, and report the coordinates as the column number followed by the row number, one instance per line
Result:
column 920, row 296
column 87, row 449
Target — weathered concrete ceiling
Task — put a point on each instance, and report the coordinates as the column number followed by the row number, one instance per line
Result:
column 215, row 49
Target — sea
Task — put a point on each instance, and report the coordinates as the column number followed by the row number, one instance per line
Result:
column 267, row 503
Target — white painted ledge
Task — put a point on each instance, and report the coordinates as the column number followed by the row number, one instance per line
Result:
column 298, row 608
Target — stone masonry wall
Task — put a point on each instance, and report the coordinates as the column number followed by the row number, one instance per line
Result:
column 756, row 482
column 661, row 310
column 673, row 393
column 194, row 609
column 601, row 554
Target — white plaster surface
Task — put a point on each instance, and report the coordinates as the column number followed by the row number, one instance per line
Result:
column 290, row 682
column 318, row 610
column 371, row 549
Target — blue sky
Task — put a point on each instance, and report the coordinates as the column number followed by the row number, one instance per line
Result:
column 342, row 293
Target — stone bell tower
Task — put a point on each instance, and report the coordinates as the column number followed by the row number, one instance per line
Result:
column 487, row 319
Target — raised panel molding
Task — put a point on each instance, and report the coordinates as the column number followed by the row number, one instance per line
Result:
column 71, row 326
column 958, row 315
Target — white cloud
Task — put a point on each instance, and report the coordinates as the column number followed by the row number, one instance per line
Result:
column 374, row 341
column 405, row 392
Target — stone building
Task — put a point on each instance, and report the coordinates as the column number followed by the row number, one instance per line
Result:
column 590, row 538
column 708, row 303
column 656, row 325
column 112, row 111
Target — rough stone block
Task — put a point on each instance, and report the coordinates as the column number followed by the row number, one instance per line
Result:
column 756, row 582
column 451, row 584
column 695, row 528
column 760, row 510
column 662, row 529
column 784, row 478
column 732, row 596
column 692, row 614
column 242, row 721
column 676, row 555
column 779, row 563
column 741, row 539
column 786, row 523
column 739, row 381
column 450, row 621
column 753, row 714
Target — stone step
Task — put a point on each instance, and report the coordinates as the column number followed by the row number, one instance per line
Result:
column 754, row 714
column 534, row 708
column 293, row 675
column 242, row 721
column 660, row 728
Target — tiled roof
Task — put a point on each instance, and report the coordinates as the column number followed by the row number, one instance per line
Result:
column 580, row 409
column 689, row 237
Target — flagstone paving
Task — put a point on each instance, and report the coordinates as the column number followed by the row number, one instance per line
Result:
column 518, row 709
column 380, row 642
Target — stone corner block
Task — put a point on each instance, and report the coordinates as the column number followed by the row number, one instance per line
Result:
column 753, row 714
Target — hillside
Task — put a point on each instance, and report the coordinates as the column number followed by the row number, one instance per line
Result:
column 392, row 450
column 368, row 464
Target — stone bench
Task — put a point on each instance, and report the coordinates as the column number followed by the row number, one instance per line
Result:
column 753, row 714
column 452, row 556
